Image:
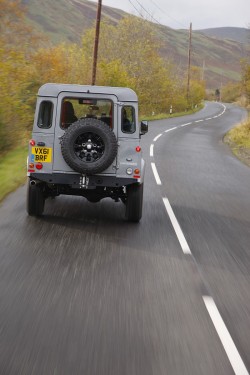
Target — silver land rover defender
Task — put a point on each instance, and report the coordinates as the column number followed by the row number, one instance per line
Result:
column 86, row 142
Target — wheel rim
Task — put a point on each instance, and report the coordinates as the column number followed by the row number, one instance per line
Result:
column 89, row 147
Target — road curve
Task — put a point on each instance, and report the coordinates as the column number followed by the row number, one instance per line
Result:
column 84, row 292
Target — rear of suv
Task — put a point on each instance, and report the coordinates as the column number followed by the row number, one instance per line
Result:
column 86, row 142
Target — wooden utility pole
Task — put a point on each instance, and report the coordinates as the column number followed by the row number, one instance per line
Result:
column 189, row 60
column 97, row 32
column 203, row 70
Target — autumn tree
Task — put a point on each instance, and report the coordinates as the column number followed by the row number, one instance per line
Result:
column 133, row 46
column 16, row 47
column 245, row 80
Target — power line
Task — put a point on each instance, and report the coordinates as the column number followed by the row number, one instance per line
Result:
column 157, row 6
column 140, row 13
column 136, row 9
column 172, row 18
column 195, row 49
column 152, row 18
column 150, row 15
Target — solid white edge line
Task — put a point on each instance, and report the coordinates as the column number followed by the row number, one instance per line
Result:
column 151, row 150
column 157, row 178
column 157, row 137
column 177, row 228
column 226, row 340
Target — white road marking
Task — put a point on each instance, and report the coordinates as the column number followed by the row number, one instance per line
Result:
column 215, row 117
column 157, row 178
column 151, row 150
column 157, row 137
column 209, row 118
column 199, row 120
column 177, row 228
column 169, row 130
column 226, row 340
column 188, row 123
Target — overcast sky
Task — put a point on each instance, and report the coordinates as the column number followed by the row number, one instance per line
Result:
column 179, row 13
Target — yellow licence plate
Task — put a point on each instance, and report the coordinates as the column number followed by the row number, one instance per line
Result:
column 42, row 154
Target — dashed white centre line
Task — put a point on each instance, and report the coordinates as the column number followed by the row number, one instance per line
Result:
column 157, row 137
column 157, row 177
column 225, row 337
column 188, row 123
column 199, row 120
column 151, row 150
column 209, row 118
column 177, row 228
column 169, row 130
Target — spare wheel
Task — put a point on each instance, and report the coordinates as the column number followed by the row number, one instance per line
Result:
column 89, row 146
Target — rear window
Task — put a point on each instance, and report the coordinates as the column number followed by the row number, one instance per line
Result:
column 73, row 109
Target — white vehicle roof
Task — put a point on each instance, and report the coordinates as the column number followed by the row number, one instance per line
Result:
column 123, row 94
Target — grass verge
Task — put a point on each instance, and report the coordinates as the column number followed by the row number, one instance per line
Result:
column 238, row 140
column 162, row 116
column 12, row 170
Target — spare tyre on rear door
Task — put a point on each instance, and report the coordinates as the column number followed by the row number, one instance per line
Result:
column 89, row 146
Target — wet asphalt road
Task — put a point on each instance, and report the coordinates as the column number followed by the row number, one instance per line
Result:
column 84, row 292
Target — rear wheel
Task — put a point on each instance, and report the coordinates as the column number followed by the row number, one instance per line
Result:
column 35, row 200
column 134, row 202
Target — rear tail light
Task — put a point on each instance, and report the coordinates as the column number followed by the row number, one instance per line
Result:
column 138, row 149
column 32, row 142
column 137, row 173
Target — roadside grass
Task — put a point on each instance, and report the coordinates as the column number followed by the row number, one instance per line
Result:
column 12, row 170
column 162, row 116
column 238, row 139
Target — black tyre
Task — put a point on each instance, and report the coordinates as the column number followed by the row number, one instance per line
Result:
column 89, row 146
column 134, row 202
column 35, row 200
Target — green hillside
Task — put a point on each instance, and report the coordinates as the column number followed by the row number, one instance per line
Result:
column 66, row 20
column 219, row 58
column 237, row 34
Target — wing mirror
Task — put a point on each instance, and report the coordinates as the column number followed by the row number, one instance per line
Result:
column 144, row 127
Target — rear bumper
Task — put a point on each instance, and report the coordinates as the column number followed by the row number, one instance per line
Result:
column 79, row 181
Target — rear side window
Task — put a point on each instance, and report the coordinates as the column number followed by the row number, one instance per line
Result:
column 45, row 115
column 128, row 119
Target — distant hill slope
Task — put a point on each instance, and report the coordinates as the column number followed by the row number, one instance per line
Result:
column 66, row 20
column 218, row 54
column 232, row 33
